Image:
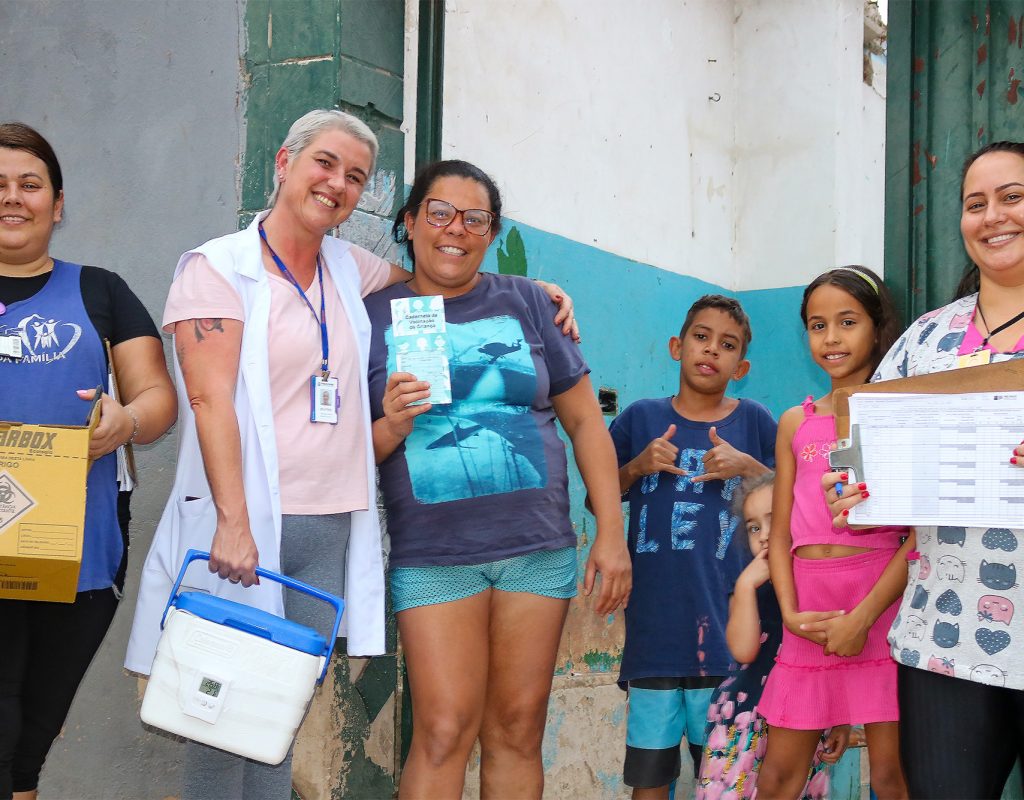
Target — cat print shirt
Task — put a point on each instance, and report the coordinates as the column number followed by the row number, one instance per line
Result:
column 963, row 591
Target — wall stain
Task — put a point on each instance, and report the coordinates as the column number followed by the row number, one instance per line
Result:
column 611, row 781
column 1011, row 94
column 549, row 753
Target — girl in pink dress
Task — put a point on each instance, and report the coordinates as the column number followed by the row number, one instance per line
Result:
column 837, row 588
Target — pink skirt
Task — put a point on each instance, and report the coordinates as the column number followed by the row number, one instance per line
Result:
column 808, row 690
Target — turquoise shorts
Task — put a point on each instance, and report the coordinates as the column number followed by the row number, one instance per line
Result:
column 661, row 712
column 548, row 573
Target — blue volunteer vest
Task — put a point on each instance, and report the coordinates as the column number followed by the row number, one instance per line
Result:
column 62, row 352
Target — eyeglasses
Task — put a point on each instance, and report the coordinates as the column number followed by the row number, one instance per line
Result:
column 441, row 214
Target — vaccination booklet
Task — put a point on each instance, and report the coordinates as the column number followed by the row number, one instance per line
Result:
column 421, row 343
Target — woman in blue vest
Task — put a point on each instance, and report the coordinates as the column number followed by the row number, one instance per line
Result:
column 54, row 318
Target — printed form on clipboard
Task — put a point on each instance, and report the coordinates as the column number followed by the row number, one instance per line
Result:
column 938, row 459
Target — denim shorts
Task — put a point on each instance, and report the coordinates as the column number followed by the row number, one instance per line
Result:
column 548, row 573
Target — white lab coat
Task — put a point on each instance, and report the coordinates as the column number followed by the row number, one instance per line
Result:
column 186, row 524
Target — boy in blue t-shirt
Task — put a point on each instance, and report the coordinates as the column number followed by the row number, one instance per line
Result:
column 680, row 459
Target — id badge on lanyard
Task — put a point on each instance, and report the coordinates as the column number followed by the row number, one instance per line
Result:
column 976, row 359
column 324, row 400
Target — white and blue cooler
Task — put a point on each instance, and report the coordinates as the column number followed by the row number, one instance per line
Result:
column 232, row 676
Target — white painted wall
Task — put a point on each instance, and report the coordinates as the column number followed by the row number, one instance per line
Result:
column 809, row 143
column 596, row 121
column 594, row 118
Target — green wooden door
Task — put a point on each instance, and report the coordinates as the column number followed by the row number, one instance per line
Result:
column 954, row 74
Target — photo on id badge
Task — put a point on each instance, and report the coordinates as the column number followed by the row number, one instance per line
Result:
column 324, row 399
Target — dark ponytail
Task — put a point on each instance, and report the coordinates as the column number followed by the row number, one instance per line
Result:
column 970, row 282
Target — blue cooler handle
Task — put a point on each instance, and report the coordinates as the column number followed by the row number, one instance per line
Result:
column 284, row 580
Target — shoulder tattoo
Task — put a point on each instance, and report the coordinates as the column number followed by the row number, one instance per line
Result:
column 204, row 327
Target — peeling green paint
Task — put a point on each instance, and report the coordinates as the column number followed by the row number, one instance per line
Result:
column 599, row 661
column 361, row 777
column 291, row 65
column 377, row 684
column 512, row 254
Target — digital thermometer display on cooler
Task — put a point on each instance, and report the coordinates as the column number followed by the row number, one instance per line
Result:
column 210, row 686
column 206, row 698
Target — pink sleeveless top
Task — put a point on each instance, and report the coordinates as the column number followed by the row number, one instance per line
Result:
column 811, row 521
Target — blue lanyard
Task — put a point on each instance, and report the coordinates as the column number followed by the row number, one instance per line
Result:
column 322, row 319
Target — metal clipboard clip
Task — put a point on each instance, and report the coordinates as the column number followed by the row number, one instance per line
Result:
column 848, row 455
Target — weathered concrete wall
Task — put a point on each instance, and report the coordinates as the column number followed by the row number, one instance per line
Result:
column 141, row 102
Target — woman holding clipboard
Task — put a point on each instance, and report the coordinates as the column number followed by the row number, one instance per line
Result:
column 959, row 648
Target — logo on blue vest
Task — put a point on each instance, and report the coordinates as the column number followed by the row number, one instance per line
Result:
column 43, row 340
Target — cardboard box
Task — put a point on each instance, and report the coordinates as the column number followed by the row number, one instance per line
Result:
column 43, row 469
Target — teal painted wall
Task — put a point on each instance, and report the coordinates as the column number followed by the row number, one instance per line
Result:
column 627, row 311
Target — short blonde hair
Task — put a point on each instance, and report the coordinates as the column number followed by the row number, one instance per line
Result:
column 306, row 128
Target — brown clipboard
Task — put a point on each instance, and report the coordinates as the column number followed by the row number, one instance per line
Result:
column 115, row 392
column 1006, row 376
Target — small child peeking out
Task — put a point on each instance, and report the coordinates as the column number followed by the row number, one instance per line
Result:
column 735, row 736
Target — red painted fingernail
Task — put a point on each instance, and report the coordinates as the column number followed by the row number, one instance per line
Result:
column 862, row 486
column 865, row 494
column 1013, row 459
column 844, row 477
column 846, row 512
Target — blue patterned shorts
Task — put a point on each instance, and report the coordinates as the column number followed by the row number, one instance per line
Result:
column 548, row 573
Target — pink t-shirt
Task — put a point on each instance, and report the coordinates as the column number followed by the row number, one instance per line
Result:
column 320, row 466
column 973, row 339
